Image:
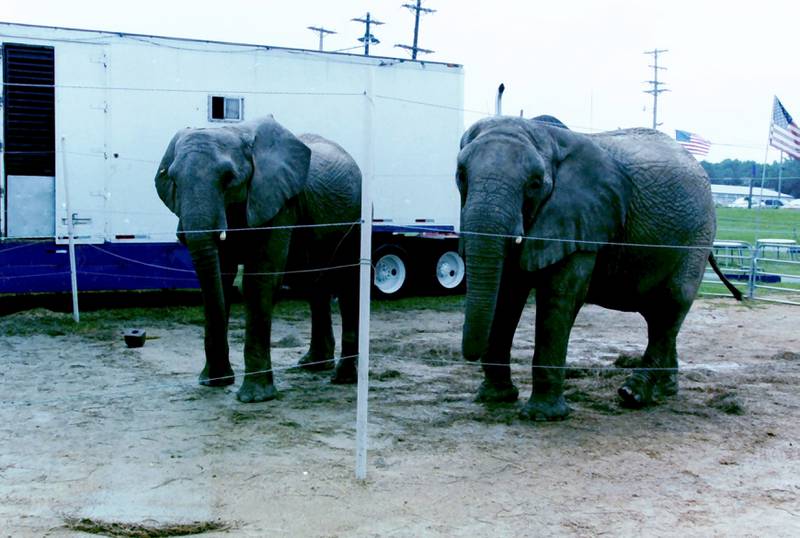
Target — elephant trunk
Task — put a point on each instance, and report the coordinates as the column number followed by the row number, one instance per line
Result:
column 205, row 257
column 485, row 256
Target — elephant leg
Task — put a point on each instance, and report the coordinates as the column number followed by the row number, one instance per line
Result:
column 217, row 371
column 560, row 293
column 320, row 353
column 229, row 268
column 262, row 278
column 211, row 377
column 644, row 386
column 497, row 386
column 347, row 286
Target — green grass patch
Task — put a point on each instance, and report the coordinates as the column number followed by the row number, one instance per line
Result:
column 750, row 225
column 444, row 303
column 739, row 224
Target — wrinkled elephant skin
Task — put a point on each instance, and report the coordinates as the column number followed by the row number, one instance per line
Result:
column 580, row 219
column 240, row 192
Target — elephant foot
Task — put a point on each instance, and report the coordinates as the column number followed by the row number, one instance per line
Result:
column 491, row 393
column 214, row 378
column 667, row 385
column 256, row 390
column 545, row 409
column 643, row 388
column 346, row 372
column 309, row 363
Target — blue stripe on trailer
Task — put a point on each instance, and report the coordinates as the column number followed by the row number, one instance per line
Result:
column 43, row 267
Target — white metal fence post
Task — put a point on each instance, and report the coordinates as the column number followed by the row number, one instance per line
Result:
column 73, row 272
column 751, row 281
column 365, row 285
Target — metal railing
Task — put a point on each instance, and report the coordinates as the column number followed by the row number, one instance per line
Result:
column 770, row 268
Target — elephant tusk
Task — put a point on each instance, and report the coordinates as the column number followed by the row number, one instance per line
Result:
column 222, row 235
column 518, row 240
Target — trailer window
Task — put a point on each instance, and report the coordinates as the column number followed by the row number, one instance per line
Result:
column 221, row 108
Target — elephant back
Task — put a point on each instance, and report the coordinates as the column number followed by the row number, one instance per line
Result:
column 671, row 201
column 333, row 187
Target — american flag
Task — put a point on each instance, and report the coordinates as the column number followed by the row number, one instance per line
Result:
column 783, row 132
column 693, row 143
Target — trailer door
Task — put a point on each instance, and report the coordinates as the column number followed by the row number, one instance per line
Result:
column 81, row 149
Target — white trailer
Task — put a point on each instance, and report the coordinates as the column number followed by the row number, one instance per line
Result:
column 91, row 112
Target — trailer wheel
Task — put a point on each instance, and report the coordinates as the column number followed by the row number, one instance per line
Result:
column 391, row 274
column 450, row 270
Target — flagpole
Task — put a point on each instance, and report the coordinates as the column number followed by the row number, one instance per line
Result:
column 766, row 156
column 780, row 176
column 751, row 284
column 763, row 177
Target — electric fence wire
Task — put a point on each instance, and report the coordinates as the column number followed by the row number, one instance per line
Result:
column 309, row 94
column 240, row 48
column 147, row 387
column 188, row 232
column 117, row 157
column 422, row 229
column 723, row 223
column 178, row 380
column 304, row 93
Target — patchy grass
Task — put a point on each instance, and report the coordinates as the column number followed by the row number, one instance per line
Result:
column 727, row 402
column 134, row 530
column 108, row 322
column 445, row 303
column 98, row 324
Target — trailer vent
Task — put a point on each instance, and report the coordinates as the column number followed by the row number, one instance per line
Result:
column 29, row 112
column 221, row 108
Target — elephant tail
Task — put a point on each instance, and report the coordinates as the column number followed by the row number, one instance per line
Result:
column 733, row 289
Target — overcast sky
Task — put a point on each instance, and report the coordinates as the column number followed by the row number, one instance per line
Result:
column 579, row 60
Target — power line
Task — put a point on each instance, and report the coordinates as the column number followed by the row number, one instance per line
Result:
column 368, row 37
column 322, row 33
column 656, row 89
column 417, row 9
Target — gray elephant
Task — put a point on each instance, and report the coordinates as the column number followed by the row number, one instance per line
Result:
column 239, row 192
column 623, row 219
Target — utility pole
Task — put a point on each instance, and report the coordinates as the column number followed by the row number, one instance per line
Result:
column 368, row 37
column 417, row 9
column 322, row 32
column 656, row 89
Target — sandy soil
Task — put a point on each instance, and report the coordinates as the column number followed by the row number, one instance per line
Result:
column 94, row 434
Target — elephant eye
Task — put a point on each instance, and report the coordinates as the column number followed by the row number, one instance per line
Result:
column 461, row 183
column 533, row 185
column 226, row 179
column 461, row 178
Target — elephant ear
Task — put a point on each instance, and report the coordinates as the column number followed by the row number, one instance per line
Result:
column 280, row 168
column 165, row 185
column 587, row 206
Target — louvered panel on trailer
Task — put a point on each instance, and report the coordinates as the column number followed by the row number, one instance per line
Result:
column 29, row 110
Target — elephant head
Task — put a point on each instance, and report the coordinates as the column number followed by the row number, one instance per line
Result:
column 207, row 175
column 204, row 171
column 532, row 192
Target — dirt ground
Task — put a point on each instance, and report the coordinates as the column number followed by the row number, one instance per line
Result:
column 97, row 437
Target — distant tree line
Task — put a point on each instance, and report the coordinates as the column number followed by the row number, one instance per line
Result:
column 736, row 172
